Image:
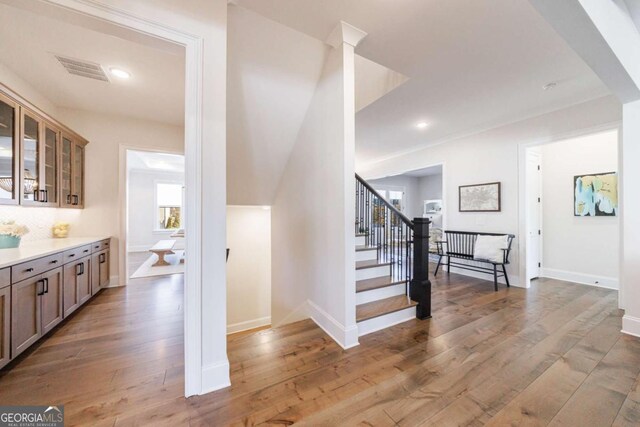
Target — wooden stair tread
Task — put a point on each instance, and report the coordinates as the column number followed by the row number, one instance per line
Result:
column 360, row 248
column 376, row 283
column 384, row 306
column 361, row 234
column 370, row 263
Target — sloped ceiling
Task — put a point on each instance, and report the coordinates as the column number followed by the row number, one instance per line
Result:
column 472, row 65
column 272, row 75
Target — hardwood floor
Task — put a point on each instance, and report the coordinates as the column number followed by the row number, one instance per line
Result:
column 551, row 355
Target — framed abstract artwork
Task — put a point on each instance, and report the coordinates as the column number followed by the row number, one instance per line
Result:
column 479, row 197
column 595, row 194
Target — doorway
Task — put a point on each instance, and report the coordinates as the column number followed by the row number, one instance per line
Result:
column 154, row 213
column 534, row 212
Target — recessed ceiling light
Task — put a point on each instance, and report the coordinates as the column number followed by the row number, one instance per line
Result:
column 549, row 86
column 266, row 208
column 122, row 74
column 422, row 125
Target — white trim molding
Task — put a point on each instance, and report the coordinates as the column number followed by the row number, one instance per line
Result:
column 345, row 337
column 581, row 278
column 199, row 379
column 248, row 324
column 215, row 376
column 630, row 325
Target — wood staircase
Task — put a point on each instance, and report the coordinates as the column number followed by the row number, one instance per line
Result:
column 382, row 301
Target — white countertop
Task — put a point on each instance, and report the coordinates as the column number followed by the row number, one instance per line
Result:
column 39, row 248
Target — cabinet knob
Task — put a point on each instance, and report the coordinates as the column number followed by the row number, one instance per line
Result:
column 29, row 270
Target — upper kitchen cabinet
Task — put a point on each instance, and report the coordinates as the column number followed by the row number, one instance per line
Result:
column 72, row 172
column 40, row 146
column 9, row 164
column 41, row 160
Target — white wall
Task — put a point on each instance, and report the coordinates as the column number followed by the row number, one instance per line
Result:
column 272, row 75
column 581, row 249
column 409, row 184
column 493, row 156
column 248, row 268
column 101, row 214
column 314, row 210
column 142, row 230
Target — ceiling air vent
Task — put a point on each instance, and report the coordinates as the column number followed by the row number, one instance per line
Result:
column 80, row 68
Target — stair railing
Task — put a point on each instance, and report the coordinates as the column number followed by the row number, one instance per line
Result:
column 398, row 240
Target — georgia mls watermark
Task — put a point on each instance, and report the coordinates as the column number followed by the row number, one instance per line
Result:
column 32, row 416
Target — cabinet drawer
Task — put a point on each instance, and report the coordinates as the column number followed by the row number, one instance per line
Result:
column 33, row 268
column 100, row 246
column 75, row 254
column 5, row 277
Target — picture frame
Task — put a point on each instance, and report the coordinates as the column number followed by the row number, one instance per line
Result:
column 485, row 197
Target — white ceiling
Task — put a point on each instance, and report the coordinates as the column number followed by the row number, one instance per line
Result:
column 472, row 65
column 634, row 11
column 428, row 171
column 149, row 160
column 154, row 92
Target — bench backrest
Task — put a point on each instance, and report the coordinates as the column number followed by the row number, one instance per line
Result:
column 462, row 243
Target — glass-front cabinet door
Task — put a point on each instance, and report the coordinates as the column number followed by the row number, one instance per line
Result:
column 71, row 172
column 9, row 125
column 31, row 153
column 49, row 165
column 65, row 171
column 78, row 175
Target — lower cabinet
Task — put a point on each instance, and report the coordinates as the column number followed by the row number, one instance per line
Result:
column 36, row 295
column 5, row 325
column 77, row 286
column 99, row 271
column 51, row 301
column 36, row 307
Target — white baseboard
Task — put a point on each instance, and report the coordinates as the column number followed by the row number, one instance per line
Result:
column 345, row 337
column 215, row 376
column 513, row 279
column 631, row 325
column 300, row 313
column 114, row 282
column 249, row 324
column 584, row 279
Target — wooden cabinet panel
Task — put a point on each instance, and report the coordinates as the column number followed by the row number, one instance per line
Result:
column 84, row 280
column 36, row 267
column 99, row 271
column 26, row 326
column 51, row 300
column 5, row 277
column 70, row 300
column 5, row 325
column 105, row 264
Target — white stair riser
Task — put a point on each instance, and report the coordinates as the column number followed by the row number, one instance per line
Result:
column 366, row 255
column 370, row 273
column 385, row 321
column 361, row 240
column 378, row 294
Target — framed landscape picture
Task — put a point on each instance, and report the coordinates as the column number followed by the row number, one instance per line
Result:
column 479, row 197
column 596, row 194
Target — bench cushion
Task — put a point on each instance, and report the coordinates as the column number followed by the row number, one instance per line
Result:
column 490, row 248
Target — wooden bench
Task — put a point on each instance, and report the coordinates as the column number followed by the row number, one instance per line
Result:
column 162, row 248
column 461, row 245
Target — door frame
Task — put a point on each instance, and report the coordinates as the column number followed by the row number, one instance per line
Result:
column 522, row 184
column 196, row 381
column 540, row 210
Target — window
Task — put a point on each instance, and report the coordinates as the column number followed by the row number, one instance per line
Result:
column 169, row 206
